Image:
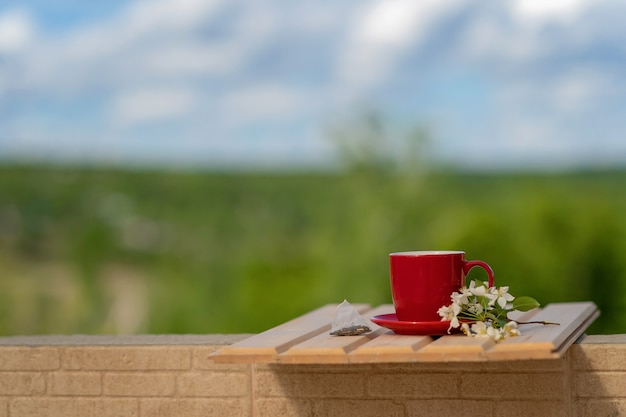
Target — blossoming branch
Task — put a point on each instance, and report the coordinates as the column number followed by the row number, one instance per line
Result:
column 482, row 311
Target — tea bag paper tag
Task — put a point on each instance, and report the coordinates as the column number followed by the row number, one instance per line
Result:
column 348, row 321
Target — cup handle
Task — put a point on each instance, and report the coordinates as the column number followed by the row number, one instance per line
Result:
column 470, row 264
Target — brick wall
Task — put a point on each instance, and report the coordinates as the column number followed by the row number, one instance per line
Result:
column 155, row 376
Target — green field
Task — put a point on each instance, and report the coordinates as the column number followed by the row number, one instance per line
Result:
column 86, row 250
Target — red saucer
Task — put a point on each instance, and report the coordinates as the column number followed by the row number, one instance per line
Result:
column 424, row 328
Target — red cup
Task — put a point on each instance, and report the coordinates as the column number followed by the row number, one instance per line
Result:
column 422, row 281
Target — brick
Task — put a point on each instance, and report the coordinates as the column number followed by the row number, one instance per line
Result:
column 603, row 339
column 601, row 384
column 139, row 384
column 75, row 383
column 514, row 386
column 424, row 367
column 283, row 407
column 4, row 407
column 73, row 407
column 543, row 366
column 420, row 385
column 601, row 408
column 126, row 358
column 195, row 407
column 357, row 408
column 533, row 409
column 600, row 357
column 449, row 407
column 22, row 383
column 213, row 384
column 343, row 369
column 303, row 385
column 23, row 358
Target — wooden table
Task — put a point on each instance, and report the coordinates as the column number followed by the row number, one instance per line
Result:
column 306, row 340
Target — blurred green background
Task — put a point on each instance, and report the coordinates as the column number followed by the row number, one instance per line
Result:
column 96, row 250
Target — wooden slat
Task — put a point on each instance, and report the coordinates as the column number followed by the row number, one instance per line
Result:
column 388, row 346
column 306, row 339
column 391, row 347
column 325, row 348
column 266, row 346
column 577, row 333
column 455, row 348
column 547, row 341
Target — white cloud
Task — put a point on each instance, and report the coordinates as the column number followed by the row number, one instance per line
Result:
column 537, row 10
column 150, row 16
column 260, row 102
column 189, row 58
column 503, row 77
column 16, row 31
column 579, row 89
column 491, row 38
column 147, row 40
column 148, row 105
column 382, row 34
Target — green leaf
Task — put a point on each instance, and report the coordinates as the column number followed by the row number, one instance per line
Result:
column 524, row 303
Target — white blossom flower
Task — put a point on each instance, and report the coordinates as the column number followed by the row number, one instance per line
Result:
column 462, row 297
column 450, row 312
column 511, row 329
column 495, row 334
column 479, row 329
column 479, row 291
column 485, row 307
column 502, row 296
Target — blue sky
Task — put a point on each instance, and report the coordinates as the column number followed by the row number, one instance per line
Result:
column 242, row 83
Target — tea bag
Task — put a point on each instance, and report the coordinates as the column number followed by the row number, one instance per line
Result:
column 348, row 321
